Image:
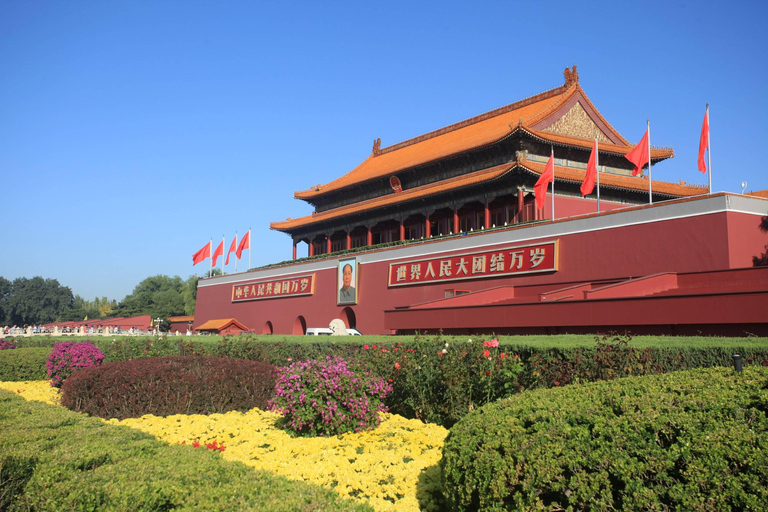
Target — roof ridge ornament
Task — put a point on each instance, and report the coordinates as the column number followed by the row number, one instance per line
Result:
column 377, row 147
column 571, row 76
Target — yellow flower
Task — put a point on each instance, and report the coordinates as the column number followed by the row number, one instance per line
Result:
column 381, row 467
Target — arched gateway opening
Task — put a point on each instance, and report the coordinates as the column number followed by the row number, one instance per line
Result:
column 348, row 315
column 299, row 326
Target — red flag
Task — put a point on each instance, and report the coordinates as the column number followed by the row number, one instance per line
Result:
column 639, row 155
column 588, row 185
column 232, row 248
column 704, row 142
column 245, row 243
column 218, row 252
column 547, row 177
column 200, row 255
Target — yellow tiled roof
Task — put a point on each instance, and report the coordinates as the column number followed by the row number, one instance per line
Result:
column 219, row 324
column 474, row 133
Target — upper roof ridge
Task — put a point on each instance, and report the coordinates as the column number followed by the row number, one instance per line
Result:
column 472, row 120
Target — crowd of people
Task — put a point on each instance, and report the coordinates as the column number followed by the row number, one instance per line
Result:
column 31, row 330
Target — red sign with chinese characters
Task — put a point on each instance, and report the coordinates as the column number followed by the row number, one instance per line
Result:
column 274, row 289
column 508, row 261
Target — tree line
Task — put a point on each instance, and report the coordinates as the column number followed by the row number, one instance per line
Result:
column 35, row 301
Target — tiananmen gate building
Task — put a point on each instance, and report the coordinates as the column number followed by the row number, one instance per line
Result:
column 442, row 232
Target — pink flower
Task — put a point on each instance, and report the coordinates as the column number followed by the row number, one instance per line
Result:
column 493, row 343
column 397, row 366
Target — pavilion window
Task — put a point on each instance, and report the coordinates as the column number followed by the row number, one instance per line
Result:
column 413, row 232
column 497, row 217
column 465, row 223
column 337, row 245
column 358, row 241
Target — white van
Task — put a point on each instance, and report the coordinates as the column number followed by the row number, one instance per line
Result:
column 325, row 331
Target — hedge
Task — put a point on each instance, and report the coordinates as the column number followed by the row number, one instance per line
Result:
column 23, row 364
column 694, row 440
column 52, row 459
column 169, row 385
column 444, row 390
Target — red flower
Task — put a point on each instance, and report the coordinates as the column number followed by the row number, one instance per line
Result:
column 389, row 380
column 397, row 366
column 196, row 443
column 384, row 350
column 503, row 355
column 488, row 373
column 486, row 353
column 365, row 347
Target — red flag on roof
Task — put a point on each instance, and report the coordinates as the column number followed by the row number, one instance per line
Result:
column 639, row 155
column 704, row 142
column 202, row 254
column 232, row 248
column 547, row 177
column 245, row 243
column 588, row 185
column 218, row 252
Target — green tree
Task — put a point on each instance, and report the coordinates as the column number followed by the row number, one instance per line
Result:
column 190, row 294
column 159, row 295
column 37, row 301
column 5, row 293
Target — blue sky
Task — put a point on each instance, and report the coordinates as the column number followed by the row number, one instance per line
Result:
column 133, row 132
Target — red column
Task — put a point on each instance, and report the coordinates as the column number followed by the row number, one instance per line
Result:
column 294, row 249
column 328, row 244
column 455, row 220
column 311, row 248
column 487, row 219
column 402, row 230
column 369, row 240
column 428, row 229
column 349, row 240
column 520, row 204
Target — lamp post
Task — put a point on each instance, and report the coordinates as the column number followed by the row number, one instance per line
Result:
column 158, row 320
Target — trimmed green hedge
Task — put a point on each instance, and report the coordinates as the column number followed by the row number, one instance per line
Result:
column 694, row 441
column 23, row 364
column 52, row 459
column 447, row 385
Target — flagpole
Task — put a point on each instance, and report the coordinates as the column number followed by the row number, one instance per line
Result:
column 235, row 247
column 709, row 152
column 223, row 245
column 210, row 253
column 249, row 248
column 552, row 155
column 597, row 173
column 650, row 191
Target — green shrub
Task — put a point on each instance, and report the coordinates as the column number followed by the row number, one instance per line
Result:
column 23, row 364
column 169, row 385
column 52, row 459
column 693, row 440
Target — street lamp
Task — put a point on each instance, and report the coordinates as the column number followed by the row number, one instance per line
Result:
column 158, row 320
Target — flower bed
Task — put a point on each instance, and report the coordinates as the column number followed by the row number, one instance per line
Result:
column 394, row 468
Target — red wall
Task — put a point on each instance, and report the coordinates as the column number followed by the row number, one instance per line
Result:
column 714, row 241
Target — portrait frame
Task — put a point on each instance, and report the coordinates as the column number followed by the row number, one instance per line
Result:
column 347, row 300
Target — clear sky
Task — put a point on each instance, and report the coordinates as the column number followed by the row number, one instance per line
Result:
column 131, row 133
